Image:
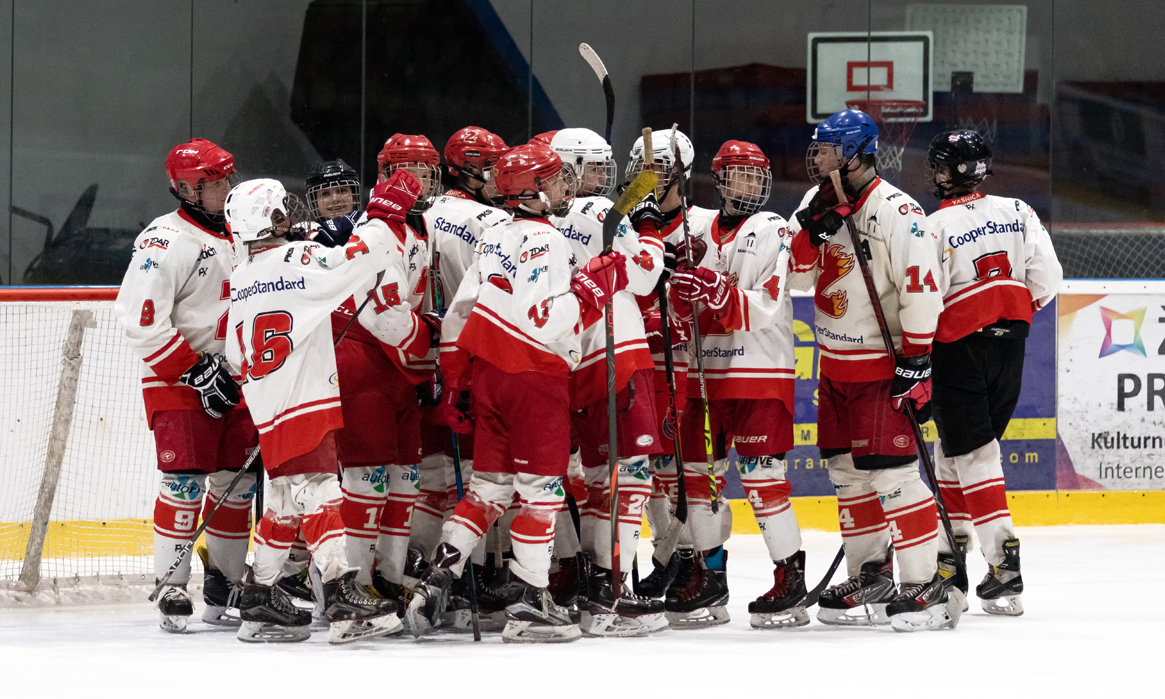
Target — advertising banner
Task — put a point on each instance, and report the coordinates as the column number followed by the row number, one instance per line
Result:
column 1112, row 387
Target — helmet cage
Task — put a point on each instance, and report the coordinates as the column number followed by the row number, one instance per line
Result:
column 193, row 194
column 344, row 187
column 561, row 207
column 593, row 177
column 426, row 174
column 745, row 187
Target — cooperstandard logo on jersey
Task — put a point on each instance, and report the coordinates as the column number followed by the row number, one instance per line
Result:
column 445, row 226
column 989, row 228
column 496, row 251
column 572, row 233
column 260, row 287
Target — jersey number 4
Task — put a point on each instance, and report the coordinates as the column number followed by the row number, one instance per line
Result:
column 271, row 340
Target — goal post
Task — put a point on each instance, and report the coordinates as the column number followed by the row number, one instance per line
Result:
column 78, row 475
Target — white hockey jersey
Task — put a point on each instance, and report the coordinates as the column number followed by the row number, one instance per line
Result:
column 391, row 317
column 515, row 308
column 998, row 263
column 582, row 228
column 173, row 305
column 905, row 260
column 456, row 222
column 281, row 300
column 748, row 350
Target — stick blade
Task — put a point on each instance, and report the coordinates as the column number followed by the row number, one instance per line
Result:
column 593, row 60
column 643, row 185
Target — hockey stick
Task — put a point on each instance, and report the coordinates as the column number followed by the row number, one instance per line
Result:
column 379, row 276
column 815, row 593
column 439, row 306
column 923, row 454
column 677, row 167
column 188, row 546
column 671, row 536
column 641, row 187
column 596, row 64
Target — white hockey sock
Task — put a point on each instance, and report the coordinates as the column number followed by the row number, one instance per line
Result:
column 392, row 545
column 708, row 529
column 176, row 512
column 365, row 490
column 767, row 490
column 864, row 530
column 431, row 506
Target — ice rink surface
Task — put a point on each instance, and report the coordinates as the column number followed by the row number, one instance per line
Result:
column 1093, row 628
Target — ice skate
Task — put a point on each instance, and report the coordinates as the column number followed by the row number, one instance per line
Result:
column 535, row 618
column 396, row 592
column 702, row 601
column 862, row 600
column 221, row 598
column 431, row 593
column 297, row 586
column 174, row 608
column 628, row 616
column 926, row 606
column 458, row 616
column 999, row 593
column 268, row 616
column 565, row 583
column 415, row 564
column 660, row 578
column 353, row 614
column 783, row 606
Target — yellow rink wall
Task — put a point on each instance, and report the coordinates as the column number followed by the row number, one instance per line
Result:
column 1041, row 508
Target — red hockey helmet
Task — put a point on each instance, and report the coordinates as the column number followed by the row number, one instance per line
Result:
column 742, row 176
column 473, row 146
column 417, row 155
column 534, row 172
column 198, row 160
column 544, row 138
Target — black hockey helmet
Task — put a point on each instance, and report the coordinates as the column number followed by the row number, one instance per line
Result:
column 963, row 156
column 327, row 175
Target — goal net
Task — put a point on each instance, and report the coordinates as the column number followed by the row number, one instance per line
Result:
column 77, row 465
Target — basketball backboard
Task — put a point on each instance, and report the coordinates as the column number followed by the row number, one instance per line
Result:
column 845, row 66
column 988, row 41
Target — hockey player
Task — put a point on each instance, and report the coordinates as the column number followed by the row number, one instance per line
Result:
column 589, row 156
column 861, row 427
column 999, row 268
column 456, row 222
column 518, row 315
column 333, row 201
column 173, row 306
column 672, row 176
column 281, row 298
column 746, row 330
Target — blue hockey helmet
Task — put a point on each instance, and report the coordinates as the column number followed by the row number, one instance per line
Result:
column 850, row 133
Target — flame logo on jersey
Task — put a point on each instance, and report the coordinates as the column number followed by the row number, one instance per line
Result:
column 835, row 264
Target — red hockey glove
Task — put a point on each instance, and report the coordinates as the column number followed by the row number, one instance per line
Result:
column 393, row 198
column 457, row 404
column 703, row 285
column 653, row 325
column 600, row 279
column 678, row 307
column 699, row 247
column 912, row 382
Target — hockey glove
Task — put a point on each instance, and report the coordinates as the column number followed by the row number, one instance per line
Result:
column 457, row 405
column 432, row 320
column 597, row 282
column 823, row 217
column 393, row 198
column 653, row 325
column 216, row 387
column 646, row 214
column 912, row 383
column 669, row 262
column 702, row 285
column 699, row 247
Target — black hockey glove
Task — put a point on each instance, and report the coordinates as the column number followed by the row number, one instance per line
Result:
column 215, row 385
column 912, row 383
column 823, row 217
column 646, row 213
column 669, row 262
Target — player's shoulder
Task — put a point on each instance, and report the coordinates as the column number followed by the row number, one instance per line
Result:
column 1010, row 204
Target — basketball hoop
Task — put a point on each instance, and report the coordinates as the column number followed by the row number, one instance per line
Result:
column 896, row 120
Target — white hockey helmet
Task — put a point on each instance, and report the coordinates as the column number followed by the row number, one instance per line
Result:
column 661, row 147
column 589, row 156
column 260, row 209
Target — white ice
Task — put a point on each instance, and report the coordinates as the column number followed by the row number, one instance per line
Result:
column 1093, row 628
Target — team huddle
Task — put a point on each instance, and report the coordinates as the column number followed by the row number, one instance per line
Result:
column 428, row 378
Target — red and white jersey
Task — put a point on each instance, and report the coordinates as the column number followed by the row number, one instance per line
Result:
column 456, row 222
column 173, row 305
column 582, row 228
column 748, row 351
column 395, row 301
column 905, row 260
column 998, row 263
column 515, row 308
column 281, row 300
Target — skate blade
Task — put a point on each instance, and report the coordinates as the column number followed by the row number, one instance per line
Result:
column 610, row 625
column 260, row 632
column 221, row 616
column 415, row 622
column 461, row 621
column 352, row 630
column 871, row 615
column 172, row 624
column 534, row 632
column 788, row 619
column 698, row 618
column 936, row 618
column 1008, row 605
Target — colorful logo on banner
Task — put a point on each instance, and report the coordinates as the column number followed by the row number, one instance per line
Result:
column 1137, row 346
